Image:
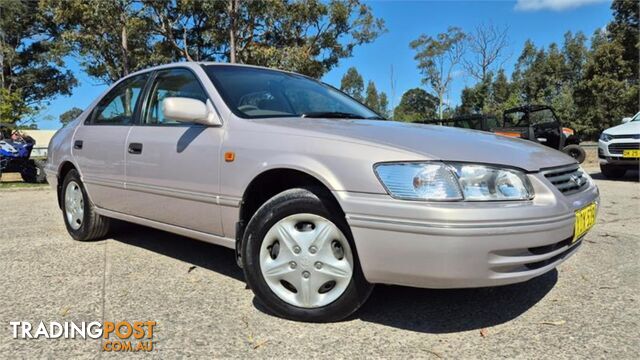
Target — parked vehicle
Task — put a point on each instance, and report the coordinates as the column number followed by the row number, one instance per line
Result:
column 320, row 197
column 619, row 148
column 15, row 153
column 537, row 123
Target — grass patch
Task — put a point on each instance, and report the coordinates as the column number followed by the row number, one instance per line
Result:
column 20, row 185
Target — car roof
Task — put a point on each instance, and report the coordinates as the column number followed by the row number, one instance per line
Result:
column 193, row 64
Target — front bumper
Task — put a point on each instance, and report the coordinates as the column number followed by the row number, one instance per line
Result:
column 609, row 153
column 463, row 244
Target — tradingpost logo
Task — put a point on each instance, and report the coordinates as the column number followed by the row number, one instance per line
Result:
column 121, row 336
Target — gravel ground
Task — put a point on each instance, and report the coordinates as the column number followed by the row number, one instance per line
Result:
column 587, row 308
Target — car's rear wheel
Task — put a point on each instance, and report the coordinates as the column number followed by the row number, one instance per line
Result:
column 300, row 260
column 82, row 221
column 612, row 171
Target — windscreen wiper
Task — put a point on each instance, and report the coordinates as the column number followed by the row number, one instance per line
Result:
column 331, row 115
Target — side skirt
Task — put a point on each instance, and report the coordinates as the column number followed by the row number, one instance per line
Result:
column 209, row 238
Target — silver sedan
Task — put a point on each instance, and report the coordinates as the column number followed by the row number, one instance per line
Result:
column 320, row 196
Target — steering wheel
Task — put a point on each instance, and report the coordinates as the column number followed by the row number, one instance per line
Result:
column 244, row 108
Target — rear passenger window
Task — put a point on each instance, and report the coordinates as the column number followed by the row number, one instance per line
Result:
column 119, row 105
column 171, row 83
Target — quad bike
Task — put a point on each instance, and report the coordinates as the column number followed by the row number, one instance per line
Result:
column 15, row 152
column 537, row 123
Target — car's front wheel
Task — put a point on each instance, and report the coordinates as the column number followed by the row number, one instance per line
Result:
column 82, row 221
column 300, row 260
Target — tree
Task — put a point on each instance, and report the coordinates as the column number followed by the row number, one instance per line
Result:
column 352, row 84
column 416, row 104
column 609, row 88
column 70, row 115
column 486, row 44
column 625, row 30
column 110, row 38
column 113, row 38
column 371, row 99
column 190, row 30
column 32, row 69
column 309, row 37
column 383, row 104
column 437, row 59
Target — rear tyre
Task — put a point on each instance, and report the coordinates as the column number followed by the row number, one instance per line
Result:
column 80, row 217
column 612, row 171
column 576, row 152
column 300, row 259
column 33, row 172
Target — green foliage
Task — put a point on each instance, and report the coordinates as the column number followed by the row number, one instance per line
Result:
column 437, row 60
column 416, row 104
column 609, row 88
column 109, row 38
column 309, row 37
column 32, row 71
column 352, row 84
column 371, row 99
column 70, row 115
column 590, row 89
column 383, row 104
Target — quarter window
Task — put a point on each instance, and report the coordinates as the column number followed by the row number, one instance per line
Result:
column 119, row 105
column 172, row 83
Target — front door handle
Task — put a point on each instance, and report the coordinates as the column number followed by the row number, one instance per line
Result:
column 135, row 148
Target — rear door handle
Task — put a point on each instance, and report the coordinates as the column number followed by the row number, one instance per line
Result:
column 77, row 144
column 135, row 148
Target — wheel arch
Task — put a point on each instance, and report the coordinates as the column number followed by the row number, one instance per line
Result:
column 271, row 182
column 63, row 170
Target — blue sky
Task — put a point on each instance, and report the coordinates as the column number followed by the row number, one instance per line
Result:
column 543, row 21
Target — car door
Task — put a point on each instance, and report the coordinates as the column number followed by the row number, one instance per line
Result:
column 172, row 168
column 99, row 143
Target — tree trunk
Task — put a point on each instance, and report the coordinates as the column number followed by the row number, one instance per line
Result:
column 233, row 6
column 125, row 46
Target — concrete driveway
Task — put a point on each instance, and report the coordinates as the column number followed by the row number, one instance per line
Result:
column 589, row 307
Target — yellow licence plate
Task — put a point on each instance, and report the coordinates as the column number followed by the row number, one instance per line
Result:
column 631, row 153
column 585, row 219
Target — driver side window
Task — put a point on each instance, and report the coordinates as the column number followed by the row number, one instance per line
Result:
column 171, row 83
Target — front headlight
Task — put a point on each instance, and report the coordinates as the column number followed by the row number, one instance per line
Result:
column 605, row 137
column 438, row 181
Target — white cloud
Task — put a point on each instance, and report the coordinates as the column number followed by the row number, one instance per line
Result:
column 555, row 5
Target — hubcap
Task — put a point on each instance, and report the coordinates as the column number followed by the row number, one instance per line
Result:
column 74, row 205
column 313, row 263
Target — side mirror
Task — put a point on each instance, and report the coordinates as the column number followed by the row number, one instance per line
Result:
column 190, row 110
column 626, row 120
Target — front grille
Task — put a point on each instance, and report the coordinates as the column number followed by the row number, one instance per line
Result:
column 618, row 148
column 568, row 180
column 628, row 136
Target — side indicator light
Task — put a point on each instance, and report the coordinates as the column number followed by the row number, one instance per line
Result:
column 229, row 156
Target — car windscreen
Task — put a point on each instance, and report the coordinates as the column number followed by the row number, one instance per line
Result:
column 542, row 117
column 263, row 93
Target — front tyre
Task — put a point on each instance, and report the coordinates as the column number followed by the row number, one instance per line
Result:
column 80, row 217
column 300, row 259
